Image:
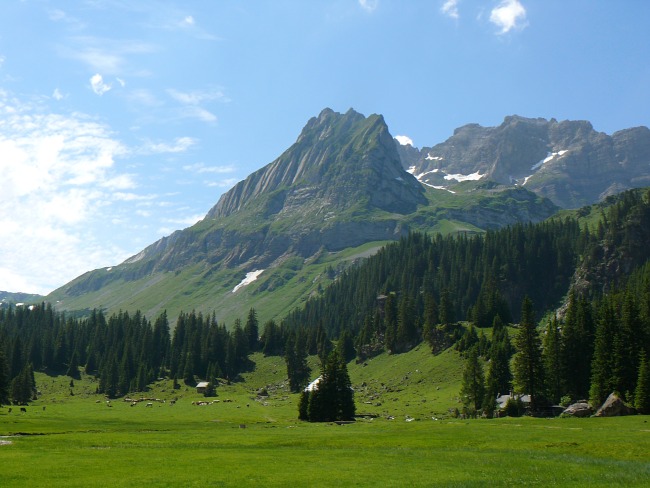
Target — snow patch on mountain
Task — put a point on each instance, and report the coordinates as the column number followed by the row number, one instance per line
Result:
column 434, row 158
column 549, row 157
column 250, row 277
column 473, row 177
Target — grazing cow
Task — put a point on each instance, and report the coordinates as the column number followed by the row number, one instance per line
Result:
column 149, row 404
column 133, row 404
column 23, row 409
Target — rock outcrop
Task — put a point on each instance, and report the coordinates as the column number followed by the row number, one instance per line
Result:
column 579, row 409
column 614, row 407
column 568, row 162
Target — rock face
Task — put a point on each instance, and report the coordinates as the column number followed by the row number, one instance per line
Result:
column 568, row 162
column 614, row 407
column 580, row 409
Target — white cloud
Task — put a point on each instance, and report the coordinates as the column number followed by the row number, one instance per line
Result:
column 450, row 8
column 188, row 21
column 509, row 15
column 180, row 144
column 200, row 113
column 196, row 97
column 107, row 56
column 369, row 5
column 2, row 60
column 58, row 175
column 57, row 95
column 404, row 140
column 201, row 168
column 97, row 84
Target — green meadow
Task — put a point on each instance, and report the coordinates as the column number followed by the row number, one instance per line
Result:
column 245, row 439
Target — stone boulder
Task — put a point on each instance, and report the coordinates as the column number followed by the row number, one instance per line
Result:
column 580, row 409
column 614, row 407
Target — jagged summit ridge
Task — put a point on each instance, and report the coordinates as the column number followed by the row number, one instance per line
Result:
column 336, row 156
column 568, row 161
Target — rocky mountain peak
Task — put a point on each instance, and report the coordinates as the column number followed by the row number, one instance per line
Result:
column 340, row 159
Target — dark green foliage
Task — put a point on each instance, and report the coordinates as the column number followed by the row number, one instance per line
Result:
column 514, row 407
column 577, row 346
column 345, row 347
column 296, row 359
column 552, row 358
column 332, row 398
column 4, row 376
column 23, row 386
column 528, row 368
column 473, row 386
column 642, row 392
column 252, row 330
column 499, row 377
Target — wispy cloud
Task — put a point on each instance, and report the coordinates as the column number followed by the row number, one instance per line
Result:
column 196, row 97
column 201, row 168
column 369, row 5
column 192, row 101
column 57, row 95
column 180, row 144
column 450, row 9
column 509, row 15
column 58, row 175
column 109, row 56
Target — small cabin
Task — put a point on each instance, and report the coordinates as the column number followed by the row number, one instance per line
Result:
column 202, row 386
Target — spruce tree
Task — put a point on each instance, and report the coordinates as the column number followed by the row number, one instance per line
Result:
column 4, row 376
column 528, row 369
column 642, row 392
column 473, row 386
column 602, row 367
column 552, row 358
column 251, row 330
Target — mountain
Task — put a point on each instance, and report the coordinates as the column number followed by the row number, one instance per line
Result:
column 14, row 298
column 568, row 162
column 339, row 193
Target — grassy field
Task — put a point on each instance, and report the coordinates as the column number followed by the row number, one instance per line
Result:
column 79, row 440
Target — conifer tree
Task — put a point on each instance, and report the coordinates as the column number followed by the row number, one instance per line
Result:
column 4, row 376
column 642, row 392
column 528, row 368
column 602, row 367
column 473, row 386
column 552, row 358
column 251, row 330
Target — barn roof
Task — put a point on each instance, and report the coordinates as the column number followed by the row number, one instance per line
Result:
column 203, row 384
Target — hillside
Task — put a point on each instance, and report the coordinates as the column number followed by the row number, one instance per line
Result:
column 336, row 195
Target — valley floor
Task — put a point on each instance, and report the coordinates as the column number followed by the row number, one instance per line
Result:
column 243, row 439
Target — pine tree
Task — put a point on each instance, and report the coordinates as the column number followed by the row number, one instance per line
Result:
column 296, row 359
column 333, row 397
column 528, row 368
column 473, row 386
column 4, row 376
column 642, row 392
column 602, row 367
column 251, row 330
column 499, row 377
column 552, row 358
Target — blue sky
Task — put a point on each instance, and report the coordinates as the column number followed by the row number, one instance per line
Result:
column 121, row 121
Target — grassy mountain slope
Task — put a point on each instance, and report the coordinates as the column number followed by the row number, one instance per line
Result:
column 334, row 196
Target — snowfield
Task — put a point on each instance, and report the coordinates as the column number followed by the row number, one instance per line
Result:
column 250, row 277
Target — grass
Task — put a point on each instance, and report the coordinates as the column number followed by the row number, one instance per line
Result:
column 80, row 441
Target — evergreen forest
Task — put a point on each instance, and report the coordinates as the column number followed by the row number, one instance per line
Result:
column 557, row 310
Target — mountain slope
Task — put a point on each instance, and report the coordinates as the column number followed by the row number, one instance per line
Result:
column 333, row 196
column 568, row 162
